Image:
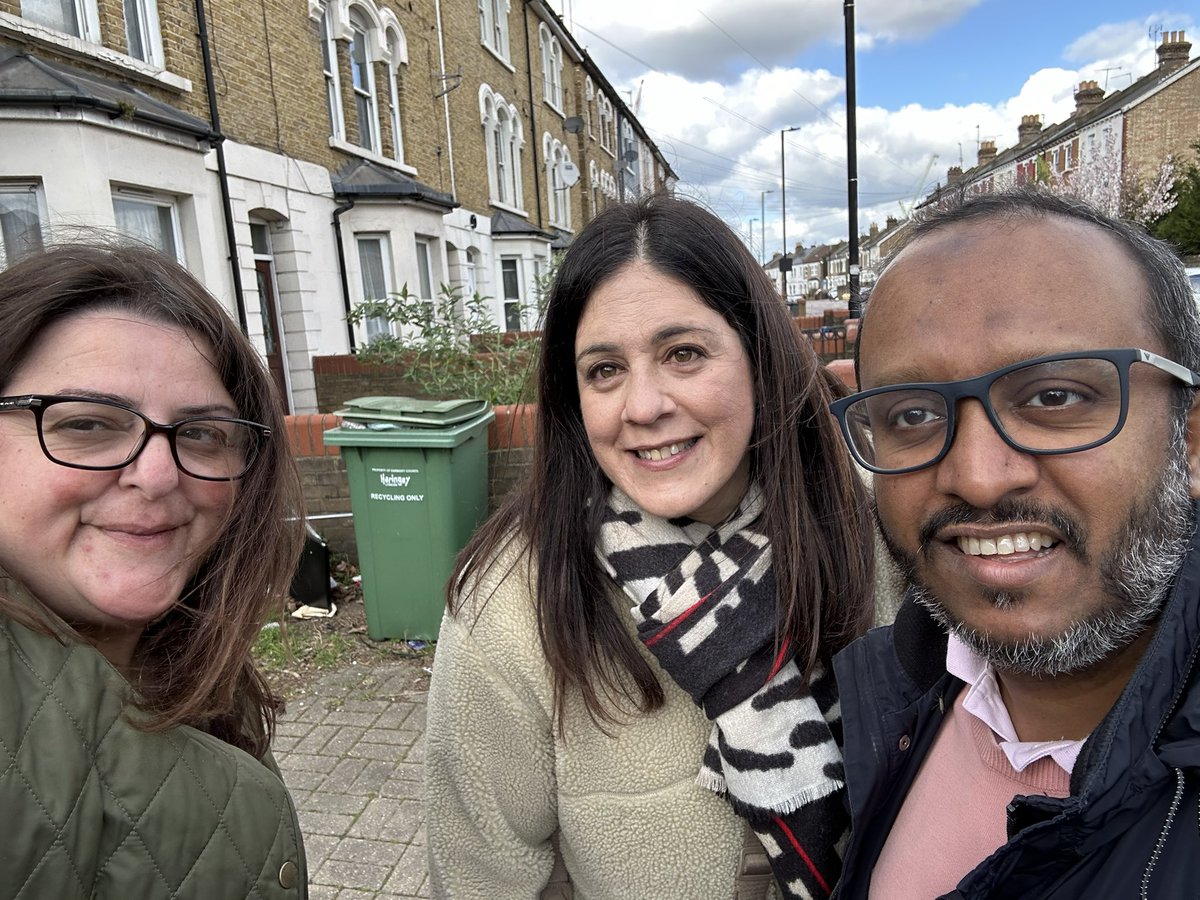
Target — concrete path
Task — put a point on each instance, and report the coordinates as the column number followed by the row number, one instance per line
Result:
column 351, row 751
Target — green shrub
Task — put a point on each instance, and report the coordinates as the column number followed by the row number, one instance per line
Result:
column 451, row 348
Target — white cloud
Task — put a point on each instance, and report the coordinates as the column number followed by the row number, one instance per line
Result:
column 719, row 81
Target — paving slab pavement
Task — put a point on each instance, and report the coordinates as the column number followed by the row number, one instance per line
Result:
column 352, row 752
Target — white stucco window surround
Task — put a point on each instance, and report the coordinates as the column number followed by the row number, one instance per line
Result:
column 503, row 141
column 84, row 42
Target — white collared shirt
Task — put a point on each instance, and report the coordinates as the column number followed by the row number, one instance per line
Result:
column 984, row 702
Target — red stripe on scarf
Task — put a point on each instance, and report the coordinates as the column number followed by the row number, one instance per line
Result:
column 779, row 660
column 677, row 621
column 804, row 856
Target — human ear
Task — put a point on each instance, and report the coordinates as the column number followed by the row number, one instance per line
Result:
column 1193, row 448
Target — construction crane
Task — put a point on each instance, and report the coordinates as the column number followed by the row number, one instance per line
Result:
column 912, row 204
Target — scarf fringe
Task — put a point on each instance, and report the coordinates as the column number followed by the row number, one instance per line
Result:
column 711, row 781
column 757, row 814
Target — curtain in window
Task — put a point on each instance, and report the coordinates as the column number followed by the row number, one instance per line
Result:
column 20, row 227
column 147, row 222
column 374, row 281
column 61, row 15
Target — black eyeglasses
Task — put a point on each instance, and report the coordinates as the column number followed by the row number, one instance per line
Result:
column 82, row 433
column 1053, row 404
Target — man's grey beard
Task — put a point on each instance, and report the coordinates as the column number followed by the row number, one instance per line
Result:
column 1137, row 574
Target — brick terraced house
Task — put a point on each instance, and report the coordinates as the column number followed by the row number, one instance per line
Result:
column 300, row 157
column 1130, row 131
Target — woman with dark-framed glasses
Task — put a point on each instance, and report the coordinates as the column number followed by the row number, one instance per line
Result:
column 148, row 525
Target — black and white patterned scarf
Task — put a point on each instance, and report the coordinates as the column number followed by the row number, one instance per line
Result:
column 705, row 607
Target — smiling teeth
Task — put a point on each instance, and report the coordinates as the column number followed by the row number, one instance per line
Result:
column 667, row 452
column 1005, row 545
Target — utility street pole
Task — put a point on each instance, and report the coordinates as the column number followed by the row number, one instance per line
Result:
column 783, row 260
column 855, row 309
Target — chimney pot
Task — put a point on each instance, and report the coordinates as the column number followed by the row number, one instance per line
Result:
column 1089, row 95
column 1029, row 129
column 1173, row 52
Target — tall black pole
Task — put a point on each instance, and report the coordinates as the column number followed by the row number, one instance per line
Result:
column 852, row 160
column 218, row 140
column 783, row 260
column 783, row 272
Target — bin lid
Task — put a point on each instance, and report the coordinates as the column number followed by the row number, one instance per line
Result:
column 398, row 434
column 411, row 411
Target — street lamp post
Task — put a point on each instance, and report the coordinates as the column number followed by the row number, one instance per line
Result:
column 762, row 222
column 783, row 205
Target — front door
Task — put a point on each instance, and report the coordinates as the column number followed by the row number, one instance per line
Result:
column 271, row 330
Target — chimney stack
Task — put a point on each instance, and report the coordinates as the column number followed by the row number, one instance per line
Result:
column 874, row 230
column 1088, row 96
column 953, row 175
column 1029, row 129
column 890, row 222
column 987, row 152
column 1173, row 52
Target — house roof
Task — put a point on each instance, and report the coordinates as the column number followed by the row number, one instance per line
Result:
column 362, row 178
column 1055, row 134
column 815, row 254
column 506, row 223
column 28, row 80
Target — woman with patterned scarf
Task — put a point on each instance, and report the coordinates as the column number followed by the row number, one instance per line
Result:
column 632, row 695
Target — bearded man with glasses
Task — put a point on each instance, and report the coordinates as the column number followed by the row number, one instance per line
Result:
column 1030, row 724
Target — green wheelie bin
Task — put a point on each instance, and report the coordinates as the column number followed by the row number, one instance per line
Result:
column 418, row 489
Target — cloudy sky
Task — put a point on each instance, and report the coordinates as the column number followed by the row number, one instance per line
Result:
column 715, row 82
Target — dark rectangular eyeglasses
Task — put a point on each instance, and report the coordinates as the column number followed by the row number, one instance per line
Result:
column 83, row 433
column 1053, row 404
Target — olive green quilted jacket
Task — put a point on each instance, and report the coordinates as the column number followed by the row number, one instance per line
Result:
column 90, row 807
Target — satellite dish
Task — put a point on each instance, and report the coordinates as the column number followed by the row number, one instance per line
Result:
column 568, row 173
column 573, row 125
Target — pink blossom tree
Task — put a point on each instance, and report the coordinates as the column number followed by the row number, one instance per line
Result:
column 1100, row 181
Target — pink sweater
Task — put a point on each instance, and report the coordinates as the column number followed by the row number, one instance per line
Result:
column 954, row 815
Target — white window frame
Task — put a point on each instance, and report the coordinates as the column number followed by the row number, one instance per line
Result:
column 423, row 247
column 333, row 81
column 493, row 26
column 503, row 140
column 146, row 25
column 551, row 67
column 366, row 103
column 607, row 141
column 376, row 326
column 559, row 192
column 398, row 54
column 594, row 186
column 171, row 238
column 470, row 272
column 589, row 98
column 511, row 303
column 22, row 189
column 87, row 19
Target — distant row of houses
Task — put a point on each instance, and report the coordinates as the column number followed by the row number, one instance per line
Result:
column 1114, row 143
column 300, row 157
column 819, row 277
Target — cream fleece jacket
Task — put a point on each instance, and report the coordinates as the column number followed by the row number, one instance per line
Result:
column 630, row 820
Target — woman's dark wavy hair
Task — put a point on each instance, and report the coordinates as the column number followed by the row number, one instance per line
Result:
column 193, row 665
column 816, row 512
